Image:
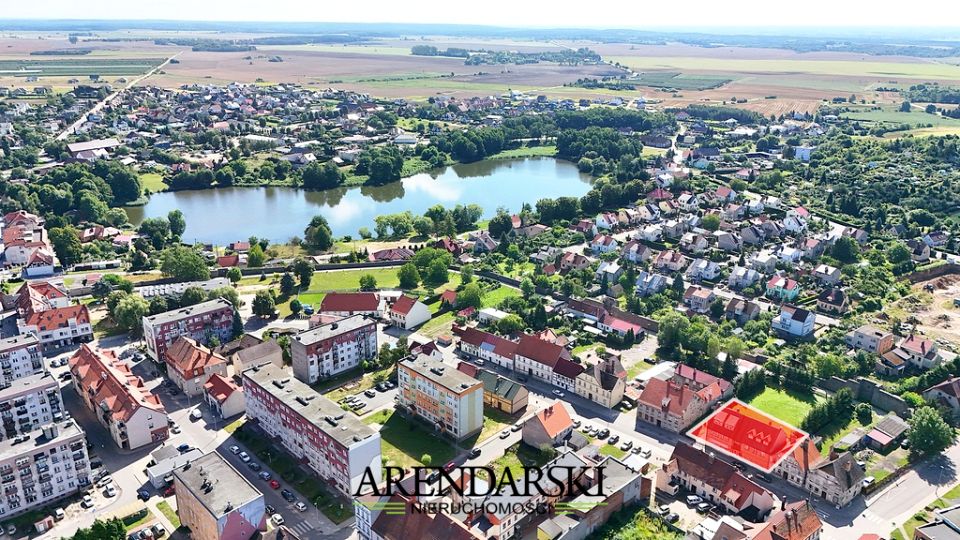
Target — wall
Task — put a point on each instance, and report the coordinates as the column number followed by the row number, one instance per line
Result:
column 937, row 271
column 869, row 392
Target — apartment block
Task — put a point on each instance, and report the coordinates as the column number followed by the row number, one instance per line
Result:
column 132, row 414
column 199, row 322
column 217, row 502
column 28, row 404
column 20, row 356
column 41, row 467
column 332, row 348
column 441, row 395
column 316, row 431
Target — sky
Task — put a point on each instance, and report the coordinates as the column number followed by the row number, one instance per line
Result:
column 640, row 14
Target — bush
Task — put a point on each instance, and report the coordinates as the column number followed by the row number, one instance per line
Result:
column 864, row 413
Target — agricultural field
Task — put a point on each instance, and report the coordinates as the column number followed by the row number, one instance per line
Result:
column 677, row 80
column 78, row 66
column 891, row 115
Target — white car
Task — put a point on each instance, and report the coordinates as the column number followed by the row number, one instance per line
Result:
column 234, row 449
column 196, row 414
column 693, row 500
column 557, row 393
column 300, row 506
column 175, row 429
column 244, row 457
column 277, row 519
column 504, row 434
column 110, row 491
column 104, row 482
column 87, row 502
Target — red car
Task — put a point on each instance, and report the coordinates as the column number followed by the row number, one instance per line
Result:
column 450, row 466
column 168, row 491
column 274, row 484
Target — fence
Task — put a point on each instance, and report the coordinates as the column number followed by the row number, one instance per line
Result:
column 870, row 392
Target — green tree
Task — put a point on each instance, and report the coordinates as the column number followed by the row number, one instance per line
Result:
column 101, row 289
column 157, row 230
column 368, row 282
column 66, row 244
column 500, row 224
column 183, row 264
column 255, row 257
column 426, row 459
column 288, row 286
column 322, row 176
column 178, row 224
column 317, row 235
column 296, row 307
column 438, row 272
column 192, row 296
column 409, row 276
column 92, row 207
column 159, row 304
column 864, row 413
column 234, row 275
column 469, row 296
column 710, row 222
column 846, row 250
column 929, row 434
column 898, row 253
column 227, row 293
column 129, row 313
column 509, row 324
column 303, row 269
column 264, row 304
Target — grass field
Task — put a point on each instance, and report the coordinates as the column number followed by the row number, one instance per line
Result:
column 786, row 405
column 912, row 118
column 677, row 80
column 169, row 513
column 338, row 280
column 548, row 150
column 78, row 66
column 152, row 182
column 494, row 297
column 403, row 443
column 437, row 325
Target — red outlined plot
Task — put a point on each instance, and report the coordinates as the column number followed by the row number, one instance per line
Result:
column 742, row 432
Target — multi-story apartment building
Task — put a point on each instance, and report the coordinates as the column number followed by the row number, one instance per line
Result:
column 20, row 356
column 315, row 430
column 190, row 365
column 199, row 322
column 332, row 348
column 441, row 395
column 58, row 327
column 34, row 296
column 216, row 502
column 29, row 403
column 41, row 467
column 132, row 414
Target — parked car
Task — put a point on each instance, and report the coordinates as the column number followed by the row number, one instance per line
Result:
column 613, row 439
column 370, row 393
column 143, row 495
column 277, row 519
column 516, row 427
column 673, row 517
column 693, row 500
column 175, row 429
column 474, row 453
column 603, row 433
column 274, row 484
column 234, row 449
column 704, row 507
column 254, row 466
column 504, row 434
column 59, row 514
column 576, row 423
column 183, row 448
column 763, row 477
column 158, row 530
column 196, row 414
column 104, row 481
column 663, row 509
column 646, row 452
column 244, row 457
column 265, row 476
column 169, row 491
column 558, row 393
column 450, row 466
column 270, row 509
column 626, row 446
column 287, row 495
column 867, row 480
column 300, row 506
column 110, row 491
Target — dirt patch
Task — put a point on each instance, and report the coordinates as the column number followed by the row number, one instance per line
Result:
column 931, row 306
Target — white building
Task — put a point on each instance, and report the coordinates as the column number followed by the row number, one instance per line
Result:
column 30, row 403
column 441, row 395
column 20, row 357
column 408, row 312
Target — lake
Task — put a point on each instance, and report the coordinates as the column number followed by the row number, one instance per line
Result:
column 224, row 215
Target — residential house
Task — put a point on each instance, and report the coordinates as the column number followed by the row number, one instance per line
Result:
column 606, row 221
column 499, row 393
column 603, row 382
column 603, row 243
column 449, row 399
column 332, row 348
column 223, row 397
column 796, row 220
column 217, row 502
column 535, row 357
column 483, row 242
column 190, row 365
column 651, row 233
column 407, row 312
column 837, row 478
column 741, row 310
column 609, row 272
column 918, row 352
column 200, row 322
column 936, row 239
column 485, row 346
column 833, row 301
column 828, row 275
column 350, row 304
column 670, row 261
column 886, row 433
column 813, row 248
column 742, row 277
column 919, row 251
column 782, row 288
column 675, row 406
column 573, row 261
column 794, row 322
column 716, row 481
column 870, row 338
column 796, row 521
column 636, row 252
column 689, row 202
column 728, row 241
column 703, row 270
column 650, row 283
column 693, row 243
column 946, row 393
column 265, row 352
column 699, row 298
column 673, row 228
column 550, row 426
column 725, row 194
column 789, row 255
column 753, row 235
column 763, row 262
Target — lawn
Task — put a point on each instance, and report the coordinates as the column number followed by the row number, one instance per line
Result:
column 351, row 382
column 518, row 456
column 787, row 405
column 613, row 451
column 527, row 151
column 494, row 297
column 349, row 280
column 147, row 517
column 638, row 368
column 169, row 513
column 403, row 442
column 494, row 422
column 881, row 466
column 438, row 325
column 152, row 182
column 235, row 425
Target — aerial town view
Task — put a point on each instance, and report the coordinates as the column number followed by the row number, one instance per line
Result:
column 500, row 271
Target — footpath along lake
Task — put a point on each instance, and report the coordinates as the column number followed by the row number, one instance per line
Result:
column 225, row 215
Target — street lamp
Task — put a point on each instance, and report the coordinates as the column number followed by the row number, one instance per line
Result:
column 939, row 480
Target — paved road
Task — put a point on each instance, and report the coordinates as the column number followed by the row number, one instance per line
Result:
column 110, row 98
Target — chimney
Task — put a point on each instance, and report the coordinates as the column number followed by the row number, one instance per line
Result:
column 834, row 455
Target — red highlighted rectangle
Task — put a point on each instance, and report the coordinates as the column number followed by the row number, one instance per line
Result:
column 747, row 434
